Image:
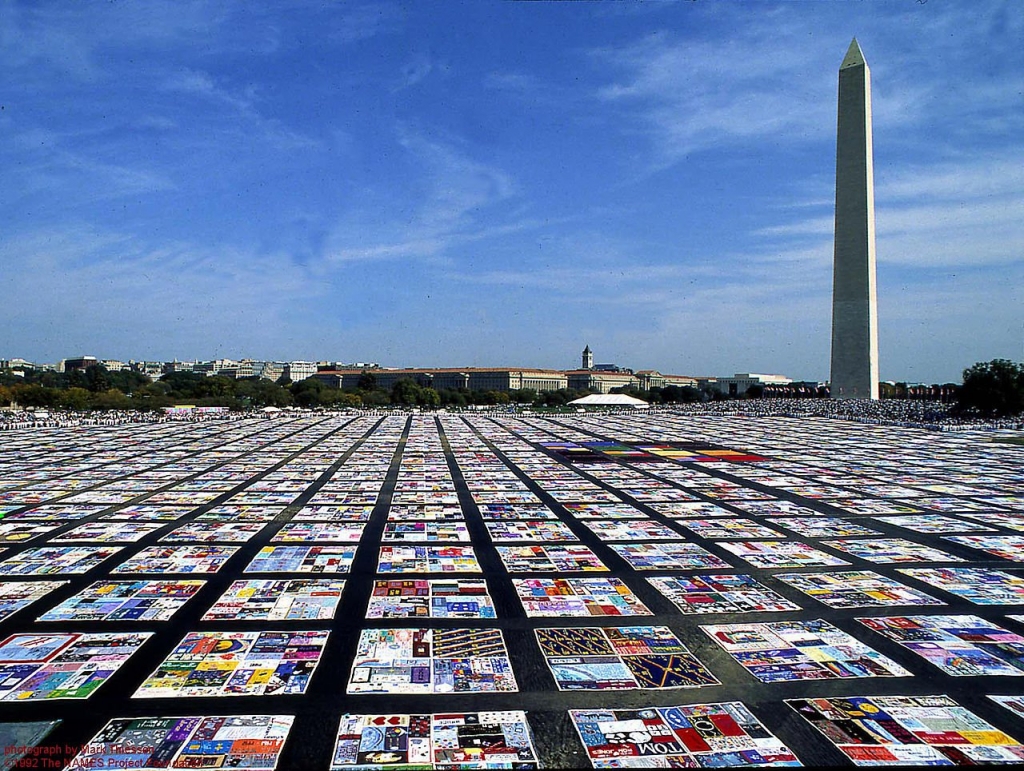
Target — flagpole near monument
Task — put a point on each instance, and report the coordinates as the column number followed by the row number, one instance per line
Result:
column 854, row 371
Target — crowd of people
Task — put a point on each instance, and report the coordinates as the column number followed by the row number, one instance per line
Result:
column 11, row 420
column 932, row 415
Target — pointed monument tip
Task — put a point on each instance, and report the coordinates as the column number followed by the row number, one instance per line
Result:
column 854, row 56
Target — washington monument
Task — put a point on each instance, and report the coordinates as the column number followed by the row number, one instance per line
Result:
column 854, row 305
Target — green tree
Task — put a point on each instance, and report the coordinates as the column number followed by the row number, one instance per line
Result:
column 347, row 399
column 51, row 379
column 306, row 393
column 111, row 399
column 152, row 389
column 550, row 398
column 375, row 398
column 451, row 397
column 258, row 392
column 216, row 387
column 151, row 397
column 995, row 388
column 183, row 385
column 405, row 392
column 691, row 394
column 367, row 381
column 328, row 397
column 495, row 397
column 629, row 390
column 561, row 397
column 672, row 394
column 714, row 395
column 74, row 398
column 34, row 395
column 523, row 395
column 128, row 381
column 97, row 378
column 429, row 398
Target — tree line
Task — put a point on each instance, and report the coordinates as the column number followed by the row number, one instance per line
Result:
column 97, row 388
column 989, row 389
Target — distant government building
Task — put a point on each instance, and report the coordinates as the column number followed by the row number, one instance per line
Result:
column 601, row 378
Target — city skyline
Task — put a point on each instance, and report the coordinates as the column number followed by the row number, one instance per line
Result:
column 233, row 366
column 498, row 184
column 229, row 363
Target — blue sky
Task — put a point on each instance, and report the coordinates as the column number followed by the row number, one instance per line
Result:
column 499, row 184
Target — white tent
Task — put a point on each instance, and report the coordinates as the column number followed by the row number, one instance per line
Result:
column 610, row 400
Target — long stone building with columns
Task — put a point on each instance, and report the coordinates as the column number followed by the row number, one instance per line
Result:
column 602, row 378
column 504, row 379
column 443, row 378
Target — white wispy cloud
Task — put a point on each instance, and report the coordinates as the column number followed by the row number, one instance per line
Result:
column 693, row 95
column 966, row 176
column 449, row 199
column 201, row 84
column 362, row 21
column 75, row 38
column 87, row 283
column 55, row 162
column 764, row 82
column 416, row 70
column 235, row 112
column 812, row 226
column 957, row 212
column 458, row 184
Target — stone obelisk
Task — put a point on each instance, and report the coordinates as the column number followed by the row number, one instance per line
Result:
column 854, row 304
